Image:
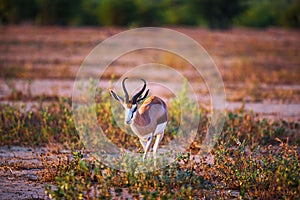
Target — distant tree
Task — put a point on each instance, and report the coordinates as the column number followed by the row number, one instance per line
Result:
column 17, row 11
column 177, row 12
column 149, row 13
column 60, row 12
column 88, row 13
column 117, row 12
column 291, row 16
column 219, row 14
column 270, row 13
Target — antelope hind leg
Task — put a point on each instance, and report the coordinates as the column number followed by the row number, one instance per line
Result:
column 159, row 137
column 159, row 132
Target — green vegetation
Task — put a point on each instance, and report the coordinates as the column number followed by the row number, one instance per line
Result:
column 85, row 179
column 217, row 14
column 254, row 159
column 48, row 124
column 260, row 173
column 271, row 13
column 212, row 13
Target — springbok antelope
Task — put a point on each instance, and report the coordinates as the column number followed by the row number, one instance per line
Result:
column 147, row 120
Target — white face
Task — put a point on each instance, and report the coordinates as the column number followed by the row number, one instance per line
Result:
column 130, row 108
column 130, row 112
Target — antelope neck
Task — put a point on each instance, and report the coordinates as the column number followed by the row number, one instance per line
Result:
column 142, row 119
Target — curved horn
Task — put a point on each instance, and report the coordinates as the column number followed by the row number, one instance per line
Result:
column 144, row 97
column 136, row 96
column 125, row 91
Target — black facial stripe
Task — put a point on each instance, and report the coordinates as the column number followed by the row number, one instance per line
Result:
column 134, row 110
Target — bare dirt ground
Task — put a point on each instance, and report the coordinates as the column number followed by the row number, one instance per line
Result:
column 22, row 169
column 259, row 67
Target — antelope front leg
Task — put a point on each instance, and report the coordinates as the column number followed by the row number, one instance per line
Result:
column 143, row 142
column 148, row 144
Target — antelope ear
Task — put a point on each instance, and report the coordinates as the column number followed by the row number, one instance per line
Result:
column 117, row 97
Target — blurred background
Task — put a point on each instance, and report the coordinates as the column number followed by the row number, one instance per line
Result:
column 216, row 14
column 255, row 45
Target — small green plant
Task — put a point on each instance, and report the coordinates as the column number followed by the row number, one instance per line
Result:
column 259, row 173
column 49, row 124
column 83, row 179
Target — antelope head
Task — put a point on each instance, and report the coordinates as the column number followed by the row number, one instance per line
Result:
column 130, row 105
